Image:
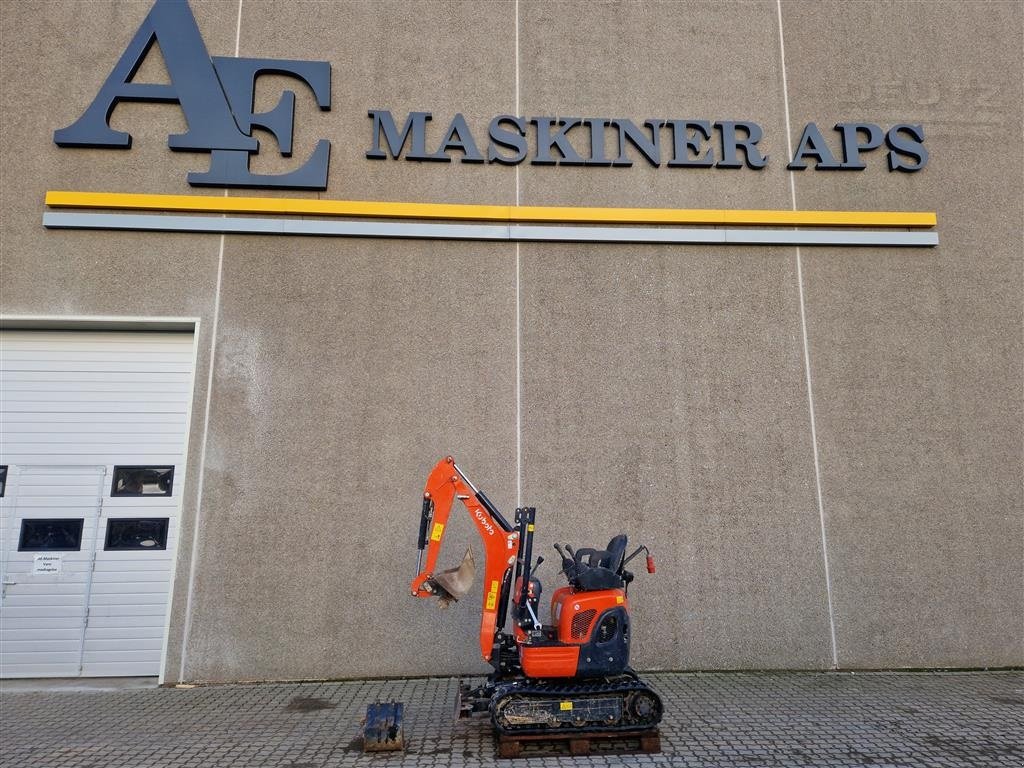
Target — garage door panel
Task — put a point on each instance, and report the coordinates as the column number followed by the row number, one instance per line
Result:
column 125, row 603
column 55, row 612
column 97, row 366
column 76, row 587
column 152, row 621
column 111, row 458
column 35, row 507
column 78, row 406
column 101, row 588
column 74, row 405
column 19, row 381
column 133, row 655
column 136, row 402
column 126, row 634
column 98, row 339
column 85, row 418
column 8, row 634
column 105, row 448
column 118, row 609
column 43, row 624
column 58, row 492
column 133, row 669
column 57, row 442
column 22, row 599
column 70, row 356
column 55, row 646
column 38, row 669
column 75, row 430
column 109, row 567
column 125, row 645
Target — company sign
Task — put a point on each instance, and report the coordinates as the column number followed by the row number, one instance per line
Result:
column 216, row 95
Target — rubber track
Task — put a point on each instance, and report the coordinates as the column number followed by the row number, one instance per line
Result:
column 555, row 690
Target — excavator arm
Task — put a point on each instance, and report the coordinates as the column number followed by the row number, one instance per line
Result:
column 501, row 543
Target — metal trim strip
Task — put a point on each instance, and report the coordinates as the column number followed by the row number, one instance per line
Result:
column 494, row 232
column 504, row 213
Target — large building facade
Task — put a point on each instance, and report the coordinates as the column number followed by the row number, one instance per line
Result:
column 217, row 420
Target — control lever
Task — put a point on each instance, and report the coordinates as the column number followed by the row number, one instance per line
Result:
column 566, row 560
column 650, row 558
column 540, row 559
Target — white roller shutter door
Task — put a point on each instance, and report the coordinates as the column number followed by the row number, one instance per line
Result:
column 74, row 406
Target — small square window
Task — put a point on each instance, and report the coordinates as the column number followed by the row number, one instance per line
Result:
column 51, row 535
column 3, row 479
column 142, row 481
column 136, row 533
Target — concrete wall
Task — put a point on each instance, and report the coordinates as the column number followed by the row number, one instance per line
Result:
column 660, row 390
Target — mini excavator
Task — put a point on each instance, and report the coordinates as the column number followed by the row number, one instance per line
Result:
column 568, row 676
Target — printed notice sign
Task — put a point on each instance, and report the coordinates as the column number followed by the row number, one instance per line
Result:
column 50, row 563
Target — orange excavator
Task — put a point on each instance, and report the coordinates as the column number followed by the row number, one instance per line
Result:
column 572, row 674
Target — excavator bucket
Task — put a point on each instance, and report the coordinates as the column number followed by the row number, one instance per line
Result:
column 454, row 583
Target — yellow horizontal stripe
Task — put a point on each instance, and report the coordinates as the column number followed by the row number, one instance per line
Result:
column 504, row 213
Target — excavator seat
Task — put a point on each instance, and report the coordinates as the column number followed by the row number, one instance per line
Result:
column 593, row 569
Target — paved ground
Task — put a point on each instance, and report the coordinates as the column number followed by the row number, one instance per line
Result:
column 722, row 719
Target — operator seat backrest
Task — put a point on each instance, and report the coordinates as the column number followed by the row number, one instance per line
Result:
column 616, row 553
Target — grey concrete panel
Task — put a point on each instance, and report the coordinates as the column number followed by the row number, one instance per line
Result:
column 663, row 396
column 654, row 60
column 663, row 388
column 440, row 57
column 344, row 371
column 917, row 357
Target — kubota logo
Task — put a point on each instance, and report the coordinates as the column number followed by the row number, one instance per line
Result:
column 216, row 95
column 483, row 521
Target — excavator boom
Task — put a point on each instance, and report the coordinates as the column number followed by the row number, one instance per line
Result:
column 501, row 545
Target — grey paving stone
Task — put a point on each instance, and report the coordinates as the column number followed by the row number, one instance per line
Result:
column 758, row 720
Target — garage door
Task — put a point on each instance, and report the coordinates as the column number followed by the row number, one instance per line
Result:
column 92, row 441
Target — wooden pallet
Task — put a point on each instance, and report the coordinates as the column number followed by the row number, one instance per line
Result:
column 595, row 743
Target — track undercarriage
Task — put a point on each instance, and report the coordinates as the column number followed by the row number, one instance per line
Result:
column 525, row 706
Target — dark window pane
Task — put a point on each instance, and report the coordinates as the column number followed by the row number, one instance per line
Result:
column 3, row 479
column 142, row 481
column 136, row 533
column 50, row 535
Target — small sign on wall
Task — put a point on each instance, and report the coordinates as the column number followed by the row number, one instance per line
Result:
column 51, row 563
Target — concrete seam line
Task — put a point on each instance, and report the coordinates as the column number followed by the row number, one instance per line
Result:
column 519, row 370
column 186, row 630
column 807, row 355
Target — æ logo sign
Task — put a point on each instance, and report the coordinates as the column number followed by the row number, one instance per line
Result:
column 216, row 95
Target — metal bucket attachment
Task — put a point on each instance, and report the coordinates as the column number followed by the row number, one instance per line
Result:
column 454, row 583
column 384, row 727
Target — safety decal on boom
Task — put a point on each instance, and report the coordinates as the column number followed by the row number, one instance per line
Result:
column 492, row 596
column 435, row 535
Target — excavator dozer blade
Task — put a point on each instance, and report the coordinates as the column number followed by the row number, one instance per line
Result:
column 454, row 583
